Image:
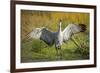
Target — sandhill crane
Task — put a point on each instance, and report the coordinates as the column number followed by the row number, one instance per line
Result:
column 57, row 38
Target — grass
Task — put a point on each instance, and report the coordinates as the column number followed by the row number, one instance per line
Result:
column 37, row 51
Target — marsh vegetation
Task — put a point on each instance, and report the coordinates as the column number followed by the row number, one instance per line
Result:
column 33, row 50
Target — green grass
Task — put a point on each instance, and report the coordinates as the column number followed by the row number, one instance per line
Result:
column 37, row 51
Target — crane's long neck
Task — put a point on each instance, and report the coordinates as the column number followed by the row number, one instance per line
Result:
column 59, row 30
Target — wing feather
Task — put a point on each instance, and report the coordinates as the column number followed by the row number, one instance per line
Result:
column 67, row 33
column 43, row 34
column 35, row 33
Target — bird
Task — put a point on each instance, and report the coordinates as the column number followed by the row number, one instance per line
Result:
column 56, row 38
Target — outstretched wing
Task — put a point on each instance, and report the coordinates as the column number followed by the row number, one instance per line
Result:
column 43, row 34
column 35, row 33
column 67, row 33
column 72, row 29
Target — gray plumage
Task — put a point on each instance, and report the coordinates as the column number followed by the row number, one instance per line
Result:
column 57, row 38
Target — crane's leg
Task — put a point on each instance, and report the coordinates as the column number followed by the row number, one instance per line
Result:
column 58, row 53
